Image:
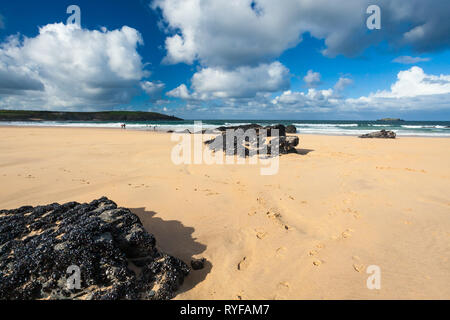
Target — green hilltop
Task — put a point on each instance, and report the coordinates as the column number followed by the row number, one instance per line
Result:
column 24, row 115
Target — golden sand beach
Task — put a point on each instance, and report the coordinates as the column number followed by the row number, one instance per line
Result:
column 308, row 232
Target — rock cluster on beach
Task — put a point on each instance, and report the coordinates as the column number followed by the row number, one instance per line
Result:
column 249, row 140
column 291, row 129
column 39, row 244
column 383, row 134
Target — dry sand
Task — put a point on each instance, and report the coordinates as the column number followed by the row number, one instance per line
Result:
column 308, row 232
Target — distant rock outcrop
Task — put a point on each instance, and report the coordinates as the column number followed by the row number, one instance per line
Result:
column 39, row 244
column 391, row 120
column 383, row 134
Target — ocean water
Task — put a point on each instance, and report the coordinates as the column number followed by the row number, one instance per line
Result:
column 329, row 127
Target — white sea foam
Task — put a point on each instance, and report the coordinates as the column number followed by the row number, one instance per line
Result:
column 307, row 128
column 331, row 125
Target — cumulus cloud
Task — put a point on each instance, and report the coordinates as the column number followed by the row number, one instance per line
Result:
column 410, row 60
column 413, row 90
column 312, row 100
column 243, row 82
column 181, row 92
column 312, row 79
column 415, row 82
column 240, row 83
column 342, row 83
column 249, row 32
column 153, row 89
column 66, row 67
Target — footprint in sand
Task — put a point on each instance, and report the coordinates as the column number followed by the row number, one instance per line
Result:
column 347, row 233
column 283, row 285
column 358, row 267
column 210, row 192
column 260, row 234
column 280, row 251
column 277, row 218
column 243, row 264
column 352, row 212
column 261, row 201
column 317, row 263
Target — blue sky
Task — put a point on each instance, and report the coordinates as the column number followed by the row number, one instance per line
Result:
column 201, row 60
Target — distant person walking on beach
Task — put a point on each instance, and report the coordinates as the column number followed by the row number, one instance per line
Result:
column 123, row 126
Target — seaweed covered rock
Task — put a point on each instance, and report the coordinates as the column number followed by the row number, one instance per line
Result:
column 383, row 134
column 251, row 142
column 258, row 129
column 291, row 129
column 285, row 144
column 116, row 258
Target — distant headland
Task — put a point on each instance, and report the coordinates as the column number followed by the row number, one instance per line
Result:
column 24, row 115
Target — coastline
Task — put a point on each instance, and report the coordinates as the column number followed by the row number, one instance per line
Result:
column 399, row 136
column 308, row 232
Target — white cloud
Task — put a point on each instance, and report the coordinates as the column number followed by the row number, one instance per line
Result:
column 249, row 32
column 240, row 83
column 410, row 60
column 179, row 92
column 413, row 90
column 313, row 100
column 415, row 82
column 153, row 89
column 343, row 83
column 66, row 67
column 235, row 42
column 312, row 79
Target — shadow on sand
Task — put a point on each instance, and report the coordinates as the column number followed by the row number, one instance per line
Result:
column 173, row 238
column 304, row 152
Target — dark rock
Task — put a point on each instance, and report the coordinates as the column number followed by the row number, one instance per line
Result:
column 383, row 134
column 291, row 129
column 391, row 120
column 268, row 129
column 245, row 144
column 244, row 127
column 205, row 131
column 198, row 264
column 285, row 145
column 281, row 130
column 38, row 244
